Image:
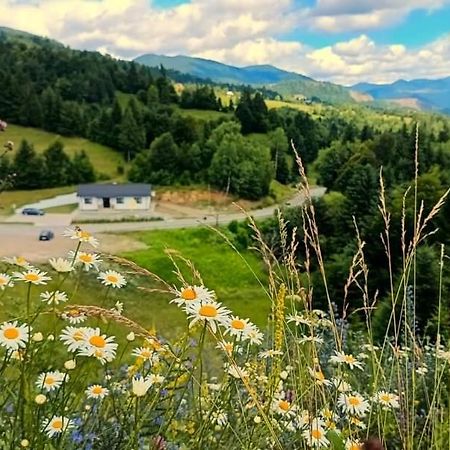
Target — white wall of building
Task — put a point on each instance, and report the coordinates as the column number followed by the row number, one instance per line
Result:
column 116, row 203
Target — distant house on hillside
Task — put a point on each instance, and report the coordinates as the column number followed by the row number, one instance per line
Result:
column 130, row 196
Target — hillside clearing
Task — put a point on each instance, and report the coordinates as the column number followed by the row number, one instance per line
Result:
column 104, row 159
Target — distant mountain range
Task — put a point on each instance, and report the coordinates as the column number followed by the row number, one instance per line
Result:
column 417, row 94
column 288, row 84
column 425, row 94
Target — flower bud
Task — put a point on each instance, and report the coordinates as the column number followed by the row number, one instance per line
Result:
column 24, row 442
column 70, row 364
column 40, row 399
column 131, row 337
column 38, row 337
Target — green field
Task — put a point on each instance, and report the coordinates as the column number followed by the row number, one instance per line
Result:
column 63, row 209
column 104, row 159
column 221, row 268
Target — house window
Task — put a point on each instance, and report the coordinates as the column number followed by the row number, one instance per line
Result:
column 87, row 200
column 119, row 200
column 138, row 200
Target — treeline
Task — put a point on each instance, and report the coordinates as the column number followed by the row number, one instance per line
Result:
column 52, row 168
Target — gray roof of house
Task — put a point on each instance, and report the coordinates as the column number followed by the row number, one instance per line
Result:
column 114, row 190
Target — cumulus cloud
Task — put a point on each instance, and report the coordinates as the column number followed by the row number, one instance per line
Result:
column 239, row 32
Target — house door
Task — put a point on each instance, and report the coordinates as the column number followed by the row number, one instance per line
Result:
column 106, row 202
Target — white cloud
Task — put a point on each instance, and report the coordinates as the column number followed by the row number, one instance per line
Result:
column 335, row 16
column 240, row 32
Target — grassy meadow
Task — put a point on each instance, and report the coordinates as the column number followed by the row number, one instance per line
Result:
column 104, row 159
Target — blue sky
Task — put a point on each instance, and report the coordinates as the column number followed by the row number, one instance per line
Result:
column 344, row 41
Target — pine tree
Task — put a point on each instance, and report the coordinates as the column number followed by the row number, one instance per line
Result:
column 131, row 137
column 29, row 168
column 57, row 166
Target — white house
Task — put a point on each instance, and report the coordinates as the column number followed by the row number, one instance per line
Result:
column 130, row 196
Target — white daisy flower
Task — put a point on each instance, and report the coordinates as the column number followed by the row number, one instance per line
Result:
column 299, row 319
column 118, row 308
column 14, row 336
column 255, row 336
column 353, row 404
column 352, row 444
column 341, row 385
column 229, row 347
column 140, row 386
column 61, row 265
column 219, row 417
column 315, row 339
column 74, row 337
column 235, row 326
column 74, row 316
column 315, row 434
column 81, row 235
column 34, row 276
column 55, row 297
column 191, row 294
column 87, row 260
column 269, row 353
column 319, row 377
column 282, row 406
column 57, row 425
column 18, row 261
column 99, row 346
column 51, row 380
column 5, row 281
column 387, row 400
column 211, row 313
column 237, row 372
column 96, row 391
column 146, row 354
column 112, row 278
column 350, row 360
column 358, row 423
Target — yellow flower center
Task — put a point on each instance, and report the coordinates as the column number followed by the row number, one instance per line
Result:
column 31, row 277
column 86, row 258
column 11, row 333
column 97, row 341
column 97, row 390
column 112, row 278
column 78, row 336
column 320, row 376
column 237, row 324
column 146, row 353
column 2, row 281
column 228, row 347
column 84, row 235
column 49, row 380
column 98, row 353
column 355, row 447
column 57, row 424
column 284, row 405
column 385, row 398
column 188, row 294
column 21, row 260
column 354, row 401
column 349, row 359
column 316, row 433
column 208, row 311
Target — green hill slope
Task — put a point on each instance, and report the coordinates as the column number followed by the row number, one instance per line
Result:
column 104, row 159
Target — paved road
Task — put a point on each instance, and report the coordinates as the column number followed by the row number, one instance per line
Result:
column 220, row 219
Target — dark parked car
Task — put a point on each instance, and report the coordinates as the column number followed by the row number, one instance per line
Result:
column 33, row 212
column 46, row 235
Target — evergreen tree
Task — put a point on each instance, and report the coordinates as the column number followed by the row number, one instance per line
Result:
column 57, row 166
column 82, row 169
column 29, row 168
column 131, row 137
